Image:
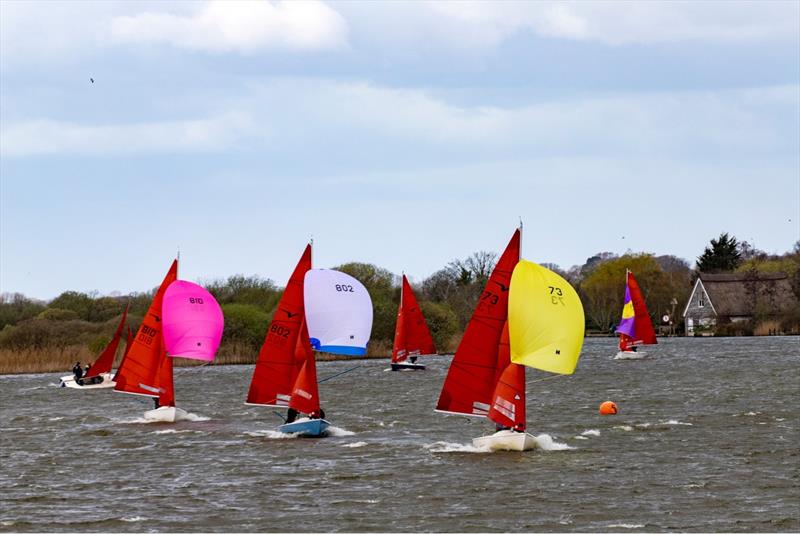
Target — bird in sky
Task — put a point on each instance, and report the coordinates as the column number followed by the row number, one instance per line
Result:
column 91, row 80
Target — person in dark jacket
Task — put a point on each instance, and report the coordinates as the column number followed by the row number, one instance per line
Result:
column 291, row 415
column 77, row 370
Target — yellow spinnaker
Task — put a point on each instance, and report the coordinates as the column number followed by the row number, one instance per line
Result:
column 545, row 320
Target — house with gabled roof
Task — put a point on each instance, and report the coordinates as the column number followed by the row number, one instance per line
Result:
column 736, row 297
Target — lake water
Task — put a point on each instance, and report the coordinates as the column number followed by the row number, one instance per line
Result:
column 706, row 440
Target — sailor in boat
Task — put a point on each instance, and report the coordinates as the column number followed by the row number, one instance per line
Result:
column 291, row 415
column 412, row 359
column 317, row 414
column 77, row 370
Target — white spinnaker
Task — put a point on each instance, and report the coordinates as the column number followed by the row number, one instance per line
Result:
column 338, row 312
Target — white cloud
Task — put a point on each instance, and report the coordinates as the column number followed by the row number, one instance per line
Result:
column 238, row 26
column 44, row 137
column 470, row 24
column 307, row 119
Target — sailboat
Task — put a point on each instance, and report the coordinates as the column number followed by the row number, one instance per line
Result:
column 635, row 328
column 411, row 336
column 285, row 376
column 99, row 374
column 528, row 316
column 183, row 321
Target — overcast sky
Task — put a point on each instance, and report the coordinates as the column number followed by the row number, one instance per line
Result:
column 404, row 134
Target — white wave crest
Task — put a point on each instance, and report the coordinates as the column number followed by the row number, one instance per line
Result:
column 626, row 428
column 55, row 419
column 355, row 445
column 173, row 431
column 625, row 525
column 591, row 432
column 547, row 443
column 445, row 446
column 338, row 432
column 193, row 417
column 581, row 437
column 678, row 423
column 271, row 434
column 133, row 519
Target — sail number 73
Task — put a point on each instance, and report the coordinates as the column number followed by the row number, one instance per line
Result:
column 556, row 295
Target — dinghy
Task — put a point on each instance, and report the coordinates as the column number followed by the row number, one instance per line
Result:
column 411, row 336
column 526, row 316
column 99, row 375
column 635, row 328
column 319, row 301
column 183, row 321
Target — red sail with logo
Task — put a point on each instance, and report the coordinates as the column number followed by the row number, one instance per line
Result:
column 278, row 365
column 137, row 373
column 105, row 361
column 470, row 381
column 305, row 393
column 411, row 336
column 508, row 399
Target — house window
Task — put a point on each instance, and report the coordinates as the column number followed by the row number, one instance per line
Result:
column 701, row 302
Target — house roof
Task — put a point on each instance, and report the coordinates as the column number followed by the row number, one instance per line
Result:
column 739, row 294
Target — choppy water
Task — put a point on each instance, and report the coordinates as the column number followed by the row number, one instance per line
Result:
column 707, row 440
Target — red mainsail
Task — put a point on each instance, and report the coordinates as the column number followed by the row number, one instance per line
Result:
column 470, row 381
column 411, row 336
column 137, row 373
column 644, row 326
column 278, row 364
column 105, row 361
column 128, row 343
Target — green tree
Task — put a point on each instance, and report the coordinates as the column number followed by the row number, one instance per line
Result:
column 246, row 324
column 721, row 256
column 15, row 307
column 603, row 290
column 442, row 322
column 80, row 303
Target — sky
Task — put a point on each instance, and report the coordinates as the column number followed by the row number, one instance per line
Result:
column 404, row 134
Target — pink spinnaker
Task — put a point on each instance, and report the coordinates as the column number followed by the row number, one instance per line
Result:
column 193, row 322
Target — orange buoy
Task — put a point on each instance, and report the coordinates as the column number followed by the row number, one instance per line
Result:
column 608, row 408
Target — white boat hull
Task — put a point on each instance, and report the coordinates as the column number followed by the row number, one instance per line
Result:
column 506, row 440
column 166, row 414
column 68, row 381
column 630, row 355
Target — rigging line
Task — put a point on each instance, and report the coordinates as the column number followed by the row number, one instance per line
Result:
column 339, row 374
column 546, row 378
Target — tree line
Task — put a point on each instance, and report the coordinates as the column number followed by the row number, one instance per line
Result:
column 447, row 299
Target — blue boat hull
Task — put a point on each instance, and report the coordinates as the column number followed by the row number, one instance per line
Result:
column 312, row 428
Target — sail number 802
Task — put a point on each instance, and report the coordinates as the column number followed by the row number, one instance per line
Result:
column 344, row 288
